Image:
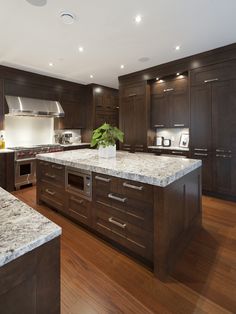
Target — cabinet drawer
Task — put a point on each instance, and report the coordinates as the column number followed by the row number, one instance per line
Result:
column 79, row 208
column 116, row 227
column 136, row 190
column 217, row 72
column 52, row 195
column 102, row 183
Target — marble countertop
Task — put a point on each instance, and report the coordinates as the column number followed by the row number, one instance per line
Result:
column 141, row 167
column 74, row 144
column 22, row 229
column 6, row 150
column 170, row 148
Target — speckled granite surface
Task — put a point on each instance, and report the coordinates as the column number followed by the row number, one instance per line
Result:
column 22, row 229
column 141, row 167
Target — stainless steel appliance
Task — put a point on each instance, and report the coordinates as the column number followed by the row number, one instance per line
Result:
column 25, row 162
column 79, row 182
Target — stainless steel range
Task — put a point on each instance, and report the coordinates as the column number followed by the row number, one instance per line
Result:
column 25, row 162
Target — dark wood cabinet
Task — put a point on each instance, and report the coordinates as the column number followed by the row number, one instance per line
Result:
column 7, row 171
column 75, row 117
column 133, row 116
column 213, row 127
column 1, row 104
column 170, row 103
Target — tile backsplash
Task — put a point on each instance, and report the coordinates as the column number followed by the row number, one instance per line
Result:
column 173, row 134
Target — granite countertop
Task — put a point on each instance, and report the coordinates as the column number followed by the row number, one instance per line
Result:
column 6, row 150
column 186, row 149
column 141, row 167
column 22, row 229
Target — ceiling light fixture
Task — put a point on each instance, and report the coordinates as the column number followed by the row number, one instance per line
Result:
column 50, row 64
column 138, row 18
column 37, row 3
column 91, row 75
column 177, row 74
column 81, row 49
column 122, row 66
column 157, row 78
column 177, row 48
column 67, row 17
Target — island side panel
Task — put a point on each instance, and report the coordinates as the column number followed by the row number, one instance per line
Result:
column 177, row 215
column 31, row 283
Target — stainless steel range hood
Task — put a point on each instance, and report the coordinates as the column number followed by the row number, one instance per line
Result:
column 22, row 106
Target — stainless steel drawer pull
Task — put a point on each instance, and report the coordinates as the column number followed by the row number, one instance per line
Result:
column 201, row 149
column 200, row 154
column 177, row 152
column 51, row 176
column 116, row 198
column 50, row 192
column 132, row 95
column 223, row 156
column 57, row 167
column 159, row 125
column 220, row 150
column 131, row 186
column 168, row 90
column 102, row 179
column 76, row 201
column 179, row 124
column 211, row 80
column 114, row 222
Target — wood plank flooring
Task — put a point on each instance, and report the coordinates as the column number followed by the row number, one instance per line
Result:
column 95, row 278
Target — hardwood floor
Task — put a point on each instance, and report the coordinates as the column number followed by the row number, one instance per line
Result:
column 95, row 278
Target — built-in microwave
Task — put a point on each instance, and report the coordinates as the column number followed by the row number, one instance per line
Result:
column 79, row 182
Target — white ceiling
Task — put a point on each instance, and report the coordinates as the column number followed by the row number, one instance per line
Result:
column 31, row 37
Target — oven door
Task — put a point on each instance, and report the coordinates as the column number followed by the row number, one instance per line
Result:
column 25, row 172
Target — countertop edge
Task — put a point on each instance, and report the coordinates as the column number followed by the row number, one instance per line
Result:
column 125, row 175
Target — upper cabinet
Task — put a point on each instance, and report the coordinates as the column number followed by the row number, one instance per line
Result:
column 170, row 103
column 1, row 104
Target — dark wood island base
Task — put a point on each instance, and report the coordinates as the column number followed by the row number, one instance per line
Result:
column 149, row 222
column 31, row 283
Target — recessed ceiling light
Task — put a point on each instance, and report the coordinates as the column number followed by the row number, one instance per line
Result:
column 50, row 64
column 37, row 3
column 157, row 78
column 138, row 18
column 81, row 49
column 177, row 48
column 177, row 74
column 67, row 17
column 91, row 75
column 122, row 66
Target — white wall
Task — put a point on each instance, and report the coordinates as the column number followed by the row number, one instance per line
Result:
column 28, row 131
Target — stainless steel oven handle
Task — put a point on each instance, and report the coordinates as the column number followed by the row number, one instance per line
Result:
column 102, row 179
column 131, row 186
column 116, row 198
column 114, row 222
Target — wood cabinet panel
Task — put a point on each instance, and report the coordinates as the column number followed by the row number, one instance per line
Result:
column 79, row 208
column 223, row 115
column 213, row 73
column 170, row 103
column 7, row 171
column 1, row 104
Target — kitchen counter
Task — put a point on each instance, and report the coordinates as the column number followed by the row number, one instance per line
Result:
column 74, row 144
column 22, row 229
column 186, row 149
column 6, row 150
column 142, row 167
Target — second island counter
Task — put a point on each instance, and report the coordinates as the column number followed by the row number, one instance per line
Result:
column 148, row 206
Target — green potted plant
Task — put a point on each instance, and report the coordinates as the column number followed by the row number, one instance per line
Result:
column 105, row 138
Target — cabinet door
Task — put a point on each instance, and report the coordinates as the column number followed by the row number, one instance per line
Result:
column 224, row 174
column 127, row 122
column 207, row 169
column 159, row 111
column 139, row 124
column 201, row 121
column 178, row 102
column 1, row 104
column 223, row 115
column 74, row 115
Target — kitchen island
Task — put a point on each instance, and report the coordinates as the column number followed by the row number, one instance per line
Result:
column 29, row 259
column 146, row 205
